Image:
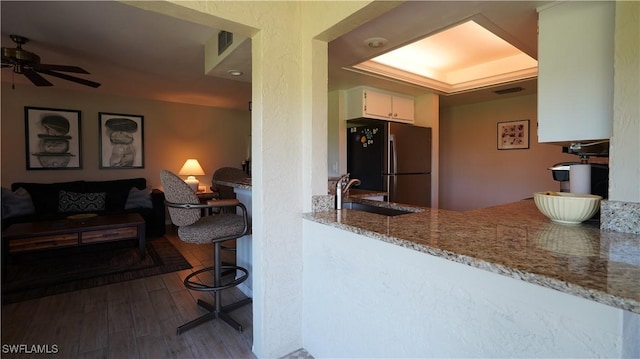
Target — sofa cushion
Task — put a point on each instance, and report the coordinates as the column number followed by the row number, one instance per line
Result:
column 45, row 195
column 16, row 203
column 117, row 191
column 81, row 202
column 139, row 198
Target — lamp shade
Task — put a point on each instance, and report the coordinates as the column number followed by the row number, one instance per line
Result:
column 191, row 168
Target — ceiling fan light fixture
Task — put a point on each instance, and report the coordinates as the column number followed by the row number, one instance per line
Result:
column 376, row 42
column 28, row 64
column 19, row 56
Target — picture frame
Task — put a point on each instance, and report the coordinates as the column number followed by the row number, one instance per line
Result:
column 52, row 138
column 121, row 140
column 513, row 135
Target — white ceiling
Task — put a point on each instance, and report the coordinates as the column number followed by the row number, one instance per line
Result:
column 138, row 53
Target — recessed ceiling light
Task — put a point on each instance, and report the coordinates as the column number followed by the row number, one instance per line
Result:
column 234, row 72
column 376, row 42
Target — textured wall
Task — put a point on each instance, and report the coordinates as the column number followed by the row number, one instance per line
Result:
column 289, row 139
column 625, row 143
column 367, row 298
column 336, row 142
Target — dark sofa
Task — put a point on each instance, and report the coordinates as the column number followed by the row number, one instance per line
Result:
column 59, row 200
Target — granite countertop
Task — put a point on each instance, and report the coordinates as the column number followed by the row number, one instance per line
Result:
column 242, row 183
column 517, row 241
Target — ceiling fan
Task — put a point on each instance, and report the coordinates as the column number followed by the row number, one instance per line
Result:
column 28, row 64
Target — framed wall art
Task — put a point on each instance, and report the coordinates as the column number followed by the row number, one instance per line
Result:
column 52, row 139
column 513, row 135
column 121, row 141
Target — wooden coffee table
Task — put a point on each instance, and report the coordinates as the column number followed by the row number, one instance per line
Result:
column 64, row 233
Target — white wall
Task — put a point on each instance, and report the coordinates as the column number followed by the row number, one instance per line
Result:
column 474, row 173
column 336, row 144
column 368, row 298
column 625, row 144
column 172, row 133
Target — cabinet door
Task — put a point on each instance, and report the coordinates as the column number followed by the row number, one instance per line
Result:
column 403, row 109
column 377, row 104
column 575, row 71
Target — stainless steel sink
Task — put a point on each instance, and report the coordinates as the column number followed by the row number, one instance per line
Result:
column 385, row 211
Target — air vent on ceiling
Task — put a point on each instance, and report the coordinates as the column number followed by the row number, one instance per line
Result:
column 225, row 39
column 509, row 90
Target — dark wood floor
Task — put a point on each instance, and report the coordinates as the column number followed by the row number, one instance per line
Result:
column 135, row 319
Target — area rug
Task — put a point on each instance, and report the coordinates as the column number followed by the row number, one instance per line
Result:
column 40, row 274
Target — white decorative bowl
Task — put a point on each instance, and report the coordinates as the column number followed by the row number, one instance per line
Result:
column 567, row 208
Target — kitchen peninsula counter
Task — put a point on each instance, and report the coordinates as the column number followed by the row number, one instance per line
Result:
column 517, row 241
column 242, row 183
column 495, row 282
column 514, row 240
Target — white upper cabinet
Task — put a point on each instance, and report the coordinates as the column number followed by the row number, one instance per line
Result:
column 380, row 105
column 372, row 104
column 402, row 108
column 575, row 71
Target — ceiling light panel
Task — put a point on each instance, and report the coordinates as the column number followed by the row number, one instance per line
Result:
column 464, row 54
column 497, row 67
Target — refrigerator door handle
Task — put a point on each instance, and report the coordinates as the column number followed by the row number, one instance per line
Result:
column 391, row 187
column 387, row 185
column 393, row 169
column 394, row 197
column 393, row 160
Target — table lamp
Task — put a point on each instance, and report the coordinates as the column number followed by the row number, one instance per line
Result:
column 192, row 168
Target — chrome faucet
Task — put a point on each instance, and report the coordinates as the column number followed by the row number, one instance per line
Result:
column 342, row 186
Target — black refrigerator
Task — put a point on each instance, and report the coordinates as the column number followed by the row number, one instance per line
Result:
column 391, row 157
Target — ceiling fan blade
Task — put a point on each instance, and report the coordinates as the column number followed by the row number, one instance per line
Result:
column 36, row 78
column 70, row 78
column 63, row 68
